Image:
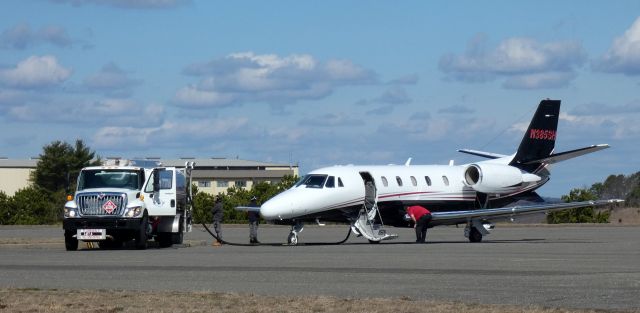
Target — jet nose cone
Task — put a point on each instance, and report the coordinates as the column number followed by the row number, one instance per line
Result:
column 276, row 208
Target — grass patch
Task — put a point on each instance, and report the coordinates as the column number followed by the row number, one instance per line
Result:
column 49, row 300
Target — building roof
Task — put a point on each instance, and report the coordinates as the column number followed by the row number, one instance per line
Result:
column 199, row 163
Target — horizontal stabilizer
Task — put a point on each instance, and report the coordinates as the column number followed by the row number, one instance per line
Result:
column 562, row 156
column 248, row 208
column 483, row 154
column 502, row 212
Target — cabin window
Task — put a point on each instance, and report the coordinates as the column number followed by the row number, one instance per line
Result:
column 445, row 180
column 399, row 180
column 385, row 182
column 427, row 180
column 331, row 182
column 340, row 184
column 414, row 182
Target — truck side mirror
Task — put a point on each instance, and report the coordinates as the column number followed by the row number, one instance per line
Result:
column 156, row 180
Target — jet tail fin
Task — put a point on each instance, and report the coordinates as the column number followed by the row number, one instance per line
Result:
column 540, row 139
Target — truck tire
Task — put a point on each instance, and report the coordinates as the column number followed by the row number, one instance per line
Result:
column 141, row 235
column 177, row 238
column 164, row 240
column 70, row 243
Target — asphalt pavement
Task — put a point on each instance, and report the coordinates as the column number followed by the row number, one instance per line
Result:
column 594, row 267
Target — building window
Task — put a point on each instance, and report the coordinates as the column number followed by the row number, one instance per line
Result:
column 204, row 183
column 385, row 182
column 427, row 180
column 222, row 184
column 241, row 183
column 399, row 180
column 414, row 182
column 445, row 180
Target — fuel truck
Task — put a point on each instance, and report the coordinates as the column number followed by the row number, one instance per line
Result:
column 129, row 200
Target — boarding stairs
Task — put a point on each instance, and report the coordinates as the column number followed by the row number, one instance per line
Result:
column 365, row 225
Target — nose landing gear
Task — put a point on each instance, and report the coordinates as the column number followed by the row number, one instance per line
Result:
column 296, row 228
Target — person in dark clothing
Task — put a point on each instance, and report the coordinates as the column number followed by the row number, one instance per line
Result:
column 218, row 213
column 254, row 218
column 421, row 218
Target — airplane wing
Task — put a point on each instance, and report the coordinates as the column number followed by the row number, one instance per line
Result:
column 483, row 154
column 248, row 208
column 456, row 216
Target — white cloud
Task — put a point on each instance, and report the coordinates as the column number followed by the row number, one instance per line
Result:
column 246, row 76
column 522, row 62
column 129, row 4
column 35, row 72
column 21, row 37
column 108, row 112
column 170, row 134
column 331, row 120
column 624, row 54
column 112, row 81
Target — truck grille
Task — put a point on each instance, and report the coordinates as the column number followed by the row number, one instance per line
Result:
column 103, row 203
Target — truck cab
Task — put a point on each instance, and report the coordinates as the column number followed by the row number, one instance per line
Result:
column 129, row 200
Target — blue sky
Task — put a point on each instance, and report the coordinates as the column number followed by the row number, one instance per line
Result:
column 322, row 82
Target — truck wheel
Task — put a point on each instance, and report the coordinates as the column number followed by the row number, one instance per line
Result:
column 177, row 238
column 164, row 240
column 70, row 243
column 141, row 236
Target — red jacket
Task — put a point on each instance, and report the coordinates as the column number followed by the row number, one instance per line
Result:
column 417, row 211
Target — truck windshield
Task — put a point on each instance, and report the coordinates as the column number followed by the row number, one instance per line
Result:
column 99, row 178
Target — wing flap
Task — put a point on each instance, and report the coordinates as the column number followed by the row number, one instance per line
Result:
column 502, row 212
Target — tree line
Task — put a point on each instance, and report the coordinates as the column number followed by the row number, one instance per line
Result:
column 60, row 163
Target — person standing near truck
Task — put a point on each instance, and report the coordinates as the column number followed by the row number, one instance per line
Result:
column 254, row 218
column 218, row 213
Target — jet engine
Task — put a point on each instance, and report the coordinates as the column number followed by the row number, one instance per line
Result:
column 493, row 178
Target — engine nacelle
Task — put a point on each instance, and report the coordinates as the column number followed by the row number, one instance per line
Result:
column 497, row 178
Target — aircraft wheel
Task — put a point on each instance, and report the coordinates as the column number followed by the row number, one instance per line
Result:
column 475, row 235
column 374, row 242
column 292, row 239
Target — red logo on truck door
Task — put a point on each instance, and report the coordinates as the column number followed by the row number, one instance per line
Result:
column 542, row 134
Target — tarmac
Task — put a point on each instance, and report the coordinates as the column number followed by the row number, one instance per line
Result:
column 593, row 266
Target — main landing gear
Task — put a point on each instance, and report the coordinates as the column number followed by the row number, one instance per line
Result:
column 476, row 229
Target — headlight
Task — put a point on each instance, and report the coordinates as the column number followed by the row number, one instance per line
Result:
column 133, row 211
column 70, row 212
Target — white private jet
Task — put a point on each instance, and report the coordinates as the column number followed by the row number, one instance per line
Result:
column 470, row 194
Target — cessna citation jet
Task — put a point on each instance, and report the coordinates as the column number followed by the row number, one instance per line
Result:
column 371, row 197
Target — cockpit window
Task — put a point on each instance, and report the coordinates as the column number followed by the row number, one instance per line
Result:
column 331, row 182
column 312, row 181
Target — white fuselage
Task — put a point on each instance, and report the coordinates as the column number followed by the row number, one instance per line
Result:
column 394, row 183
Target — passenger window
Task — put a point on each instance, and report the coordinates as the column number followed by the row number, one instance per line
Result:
column 414, row 181
column 331, row 182
column 340, row 184
column 428, row 180
column 385, row 182
column 445, row 180
column 399, row 180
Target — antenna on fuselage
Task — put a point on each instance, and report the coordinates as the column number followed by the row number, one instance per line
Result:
column 408, row 162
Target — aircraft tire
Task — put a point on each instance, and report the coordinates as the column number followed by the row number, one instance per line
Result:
column 475, row 235
column 374, row 242
column 292, row 239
